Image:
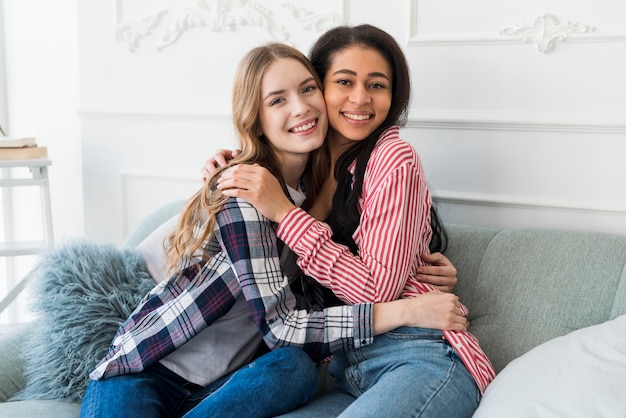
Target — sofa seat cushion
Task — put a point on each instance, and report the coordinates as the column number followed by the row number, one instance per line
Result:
column 40, row 409
column 581, row 374
column 12, row 337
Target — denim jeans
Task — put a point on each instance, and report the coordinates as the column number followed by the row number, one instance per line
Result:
column 276, row 382
column 408, row 372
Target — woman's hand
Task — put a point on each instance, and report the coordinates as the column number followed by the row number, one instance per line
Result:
column 221, row 157
column 257, row 186
column 435, row 310
column 441, row 273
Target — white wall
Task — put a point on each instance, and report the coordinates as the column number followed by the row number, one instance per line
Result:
column 3, row 84
column 512, row 133
column 42, row 84
column 515, row 136
column 155, row 95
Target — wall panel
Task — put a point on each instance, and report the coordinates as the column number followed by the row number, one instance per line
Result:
column 156, row 81
column 515, row 128
column 517, row 111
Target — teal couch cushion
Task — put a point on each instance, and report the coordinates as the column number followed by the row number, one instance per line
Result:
column 466, row 249
column 534, row 285
column 40, row 409
column 12, row 337
column 151, row 222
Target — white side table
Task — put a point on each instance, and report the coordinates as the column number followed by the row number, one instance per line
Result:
column 9, row 248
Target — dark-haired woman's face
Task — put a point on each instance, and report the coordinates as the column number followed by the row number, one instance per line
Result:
column 357, row 90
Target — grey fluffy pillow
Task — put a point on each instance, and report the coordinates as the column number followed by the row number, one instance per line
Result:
column 81, row 293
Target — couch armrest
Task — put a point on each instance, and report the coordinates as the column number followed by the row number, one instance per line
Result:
column 151, row 222
column 12, row 337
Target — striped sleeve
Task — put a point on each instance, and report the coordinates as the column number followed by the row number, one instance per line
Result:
column 394, row 230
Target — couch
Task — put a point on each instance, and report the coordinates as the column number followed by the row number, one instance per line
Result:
column 548, row 306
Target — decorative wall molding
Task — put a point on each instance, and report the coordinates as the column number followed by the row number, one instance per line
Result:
column 129, row 33
column 518, row 121
column 480, row 199
column 313, row 22
column 218, row 16
column 509, row 36
column 166, row 113
column 223, row 16
column 483, row 121
column 546, row 31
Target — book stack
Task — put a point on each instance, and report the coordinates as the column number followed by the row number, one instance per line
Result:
column 20, row 148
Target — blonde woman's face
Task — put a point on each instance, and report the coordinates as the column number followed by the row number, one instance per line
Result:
column 293, row 113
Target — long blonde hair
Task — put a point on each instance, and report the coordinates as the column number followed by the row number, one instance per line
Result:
column 198, row 216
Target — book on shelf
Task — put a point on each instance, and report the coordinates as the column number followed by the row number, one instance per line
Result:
column 17, row 142
column 24, row 153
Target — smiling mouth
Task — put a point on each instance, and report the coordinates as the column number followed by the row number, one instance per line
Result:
column 305, row 127
column 358, row 117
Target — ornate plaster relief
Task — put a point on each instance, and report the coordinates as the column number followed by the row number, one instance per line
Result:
column 218, row 16
column 546, row 31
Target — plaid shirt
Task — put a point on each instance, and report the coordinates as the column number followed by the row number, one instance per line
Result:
column 243, row 256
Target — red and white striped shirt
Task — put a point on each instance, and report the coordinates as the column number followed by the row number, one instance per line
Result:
column 394, row 231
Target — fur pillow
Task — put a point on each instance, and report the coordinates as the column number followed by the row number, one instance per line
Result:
column 81, row 292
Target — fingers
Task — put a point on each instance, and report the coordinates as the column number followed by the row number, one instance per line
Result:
column 461, row 326
column 441, row 274
column 209, row 168
column 222, row 156
column 242, row 175
column 439, row 263
column 456, row 319
column 433, row 258
column 234, row 183
column 433, row 276
column 204, row 174
column 443, row 283
column 220, row 159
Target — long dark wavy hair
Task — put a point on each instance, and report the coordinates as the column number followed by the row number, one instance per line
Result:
column 344, row 216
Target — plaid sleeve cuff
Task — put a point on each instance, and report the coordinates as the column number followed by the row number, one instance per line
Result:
column 363, row 314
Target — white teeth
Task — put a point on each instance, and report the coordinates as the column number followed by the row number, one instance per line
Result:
column 356, row 117
column 305, row 127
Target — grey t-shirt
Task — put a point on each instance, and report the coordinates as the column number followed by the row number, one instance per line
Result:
column 225, row 346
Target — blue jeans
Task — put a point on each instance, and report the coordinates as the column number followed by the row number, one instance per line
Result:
column 287, row 381
column 408, row 372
